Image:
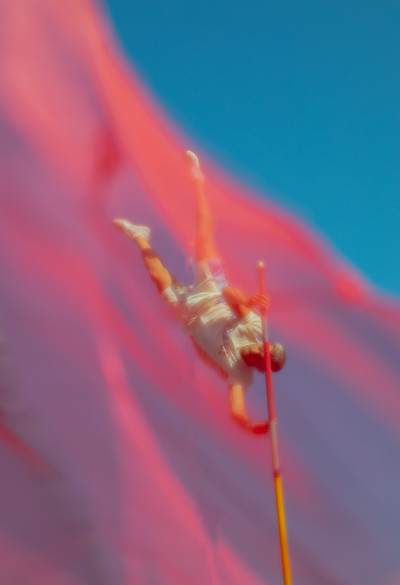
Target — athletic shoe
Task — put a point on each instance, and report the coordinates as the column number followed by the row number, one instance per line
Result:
column 130, row 230
column 193, row 165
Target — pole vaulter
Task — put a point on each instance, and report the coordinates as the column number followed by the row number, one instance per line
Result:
column 219, row 318
column 273, row 432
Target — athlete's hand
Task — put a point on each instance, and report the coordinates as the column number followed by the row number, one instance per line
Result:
column 258, row 300
column 258, row 428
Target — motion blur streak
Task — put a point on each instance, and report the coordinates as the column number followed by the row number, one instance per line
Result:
column 118, row 460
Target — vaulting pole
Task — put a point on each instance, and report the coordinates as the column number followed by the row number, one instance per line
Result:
column 273, row 423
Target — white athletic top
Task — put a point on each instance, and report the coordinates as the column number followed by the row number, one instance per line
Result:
column 218, row 336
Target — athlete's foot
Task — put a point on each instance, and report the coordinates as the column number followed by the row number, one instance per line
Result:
column 130, row 230
column 193, row 165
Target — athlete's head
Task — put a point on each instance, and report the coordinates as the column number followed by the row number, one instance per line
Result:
column 253, row 356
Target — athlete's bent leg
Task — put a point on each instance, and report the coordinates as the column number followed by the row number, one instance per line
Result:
column 155, row 266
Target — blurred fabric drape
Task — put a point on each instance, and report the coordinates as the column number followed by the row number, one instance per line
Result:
column 119, row 464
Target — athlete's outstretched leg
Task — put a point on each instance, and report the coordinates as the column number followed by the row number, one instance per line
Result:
column 154, row 264
column 205, row 248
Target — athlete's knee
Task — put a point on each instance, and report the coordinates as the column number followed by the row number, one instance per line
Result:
column 205, row 246
column 161, row 277
column 205, row 225
column 156, row 269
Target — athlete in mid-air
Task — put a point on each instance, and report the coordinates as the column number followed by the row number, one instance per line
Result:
column 221, row 320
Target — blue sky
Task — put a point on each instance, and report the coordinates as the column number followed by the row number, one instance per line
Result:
column 299, row 99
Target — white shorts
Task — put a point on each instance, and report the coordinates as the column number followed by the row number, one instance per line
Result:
column 189, row 302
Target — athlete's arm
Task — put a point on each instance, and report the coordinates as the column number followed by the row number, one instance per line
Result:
column 238, row 412
column 241, row 303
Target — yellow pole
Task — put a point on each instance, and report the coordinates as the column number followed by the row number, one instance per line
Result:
column 273, row 423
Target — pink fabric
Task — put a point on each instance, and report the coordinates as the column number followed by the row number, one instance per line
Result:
column 119, row 463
